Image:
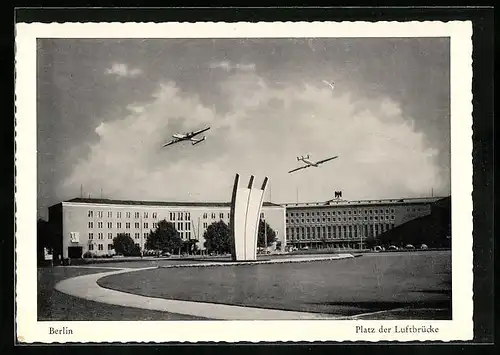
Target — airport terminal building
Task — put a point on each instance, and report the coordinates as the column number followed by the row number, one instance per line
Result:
column 87, row 224
column 346, row 224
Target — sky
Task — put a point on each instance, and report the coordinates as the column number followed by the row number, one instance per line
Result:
column 105, row 107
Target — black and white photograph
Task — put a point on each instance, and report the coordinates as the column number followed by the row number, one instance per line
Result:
column 236, row 179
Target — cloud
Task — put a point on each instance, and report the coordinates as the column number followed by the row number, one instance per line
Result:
column 122, row 70
column 228, row 66
column 262, row 132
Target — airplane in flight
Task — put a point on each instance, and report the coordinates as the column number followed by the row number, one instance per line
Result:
column 311, row 163
column 189, row 136
column 330, row 84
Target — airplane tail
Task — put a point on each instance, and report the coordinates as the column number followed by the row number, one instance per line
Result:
column 199, row 140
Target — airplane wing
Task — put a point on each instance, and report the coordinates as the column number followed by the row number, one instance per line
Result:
column 198, row 132
column 171, row 142
column 325, row 160
column 302, row 167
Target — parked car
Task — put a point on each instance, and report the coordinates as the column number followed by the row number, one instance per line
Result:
column 378, row 248
column 393, row 247
column 409, row 246
column 424, row 246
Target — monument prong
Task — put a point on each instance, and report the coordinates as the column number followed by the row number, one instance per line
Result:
column 246, row 205
column 250, row 183
column 264, row 183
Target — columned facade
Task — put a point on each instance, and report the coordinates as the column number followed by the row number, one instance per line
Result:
column 347, row 224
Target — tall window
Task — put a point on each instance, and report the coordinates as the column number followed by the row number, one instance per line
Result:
column 146, row 225
column 100, row 235
column 118, row 225
column 204, row 216
column 110, row 224
column 213, row 215
column 221, row 215
column 110, row 235
column 99, row 214
column 91, row 224
column 137, row 215
column 127, row 225
column 155, row 215
column 100, row 247
column 145, row 215
column 110, row 214
column 99, row 224
column 91, row 235
column 90, row 214
column 118, row 215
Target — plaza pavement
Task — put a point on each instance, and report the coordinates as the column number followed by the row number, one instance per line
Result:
column 86, row 287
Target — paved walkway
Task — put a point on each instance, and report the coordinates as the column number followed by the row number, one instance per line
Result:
column 86, row 287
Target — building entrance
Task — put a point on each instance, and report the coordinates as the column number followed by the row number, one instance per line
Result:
column 75, row 252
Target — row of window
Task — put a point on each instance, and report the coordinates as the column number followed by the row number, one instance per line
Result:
column 333, row 213
column 328, row 219
column 100, row 214
column 109, row 225
column 101, row 246
column 348, row 212
column 181, row 216
column 337, row 232
column 110, row 235
column 174, row 216
column 183, row 226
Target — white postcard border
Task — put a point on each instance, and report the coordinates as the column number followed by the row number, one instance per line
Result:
column 30, row 330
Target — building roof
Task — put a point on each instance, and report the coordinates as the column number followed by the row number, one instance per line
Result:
column 157, row 203
column 340, row 202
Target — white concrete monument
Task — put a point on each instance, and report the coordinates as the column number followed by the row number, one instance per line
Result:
column 246, row 204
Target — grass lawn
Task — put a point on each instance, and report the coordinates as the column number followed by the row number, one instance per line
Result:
column 371, row 283
column 56, row 306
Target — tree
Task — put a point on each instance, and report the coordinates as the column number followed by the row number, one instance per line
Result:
column 217, row 238
column 265, row 232
column 164, row 238
column 124, row 245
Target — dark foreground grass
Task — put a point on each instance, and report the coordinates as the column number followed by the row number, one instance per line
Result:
column 415, row 285
column 57, row 306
